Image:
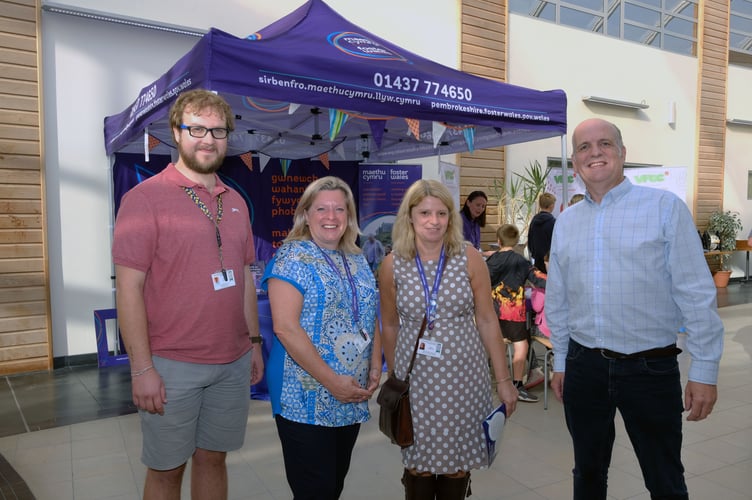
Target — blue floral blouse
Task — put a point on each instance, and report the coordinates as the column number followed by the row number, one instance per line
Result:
column 328, row 318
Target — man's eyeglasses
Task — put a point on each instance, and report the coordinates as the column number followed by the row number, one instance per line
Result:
column 199, row 131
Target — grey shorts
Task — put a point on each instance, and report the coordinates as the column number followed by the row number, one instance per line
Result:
column 207, row 407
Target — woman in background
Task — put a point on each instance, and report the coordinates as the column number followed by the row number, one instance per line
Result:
column 325, row 362
column 474, row 217
column 432, row 272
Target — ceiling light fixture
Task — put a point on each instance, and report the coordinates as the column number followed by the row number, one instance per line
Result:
column 739, row 121
column 615, row 102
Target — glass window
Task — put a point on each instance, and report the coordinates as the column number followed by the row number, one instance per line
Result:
column 682, row 7
column 534, row 8
column 680, row 26
column 666, row 24
column 642, row 35
column 678, row 45
column 588, row 4
column 741, row 25
column 744, row 25
column 522, row 6
column 642, row 15
column 741, row 7
column 740, row 42
column 614, row 24
column 580, row 19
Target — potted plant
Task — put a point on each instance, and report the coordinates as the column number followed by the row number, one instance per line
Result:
column 517, row 200
column 725, row 225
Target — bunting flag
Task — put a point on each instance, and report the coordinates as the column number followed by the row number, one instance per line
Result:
column 263, row 160
column 153, row 142
column 469, row 134
column 324, row 158
column 285, row 163
column 293, row 108
column 414, row 126
column 377, row 131
column 336, row 120
column 438, row 131
column 340, row 150
column 247, row 159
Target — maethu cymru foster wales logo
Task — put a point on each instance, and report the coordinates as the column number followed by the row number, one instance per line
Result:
column 358, row 45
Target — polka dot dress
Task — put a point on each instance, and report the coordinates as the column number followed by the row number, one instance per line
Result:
column 449, row 396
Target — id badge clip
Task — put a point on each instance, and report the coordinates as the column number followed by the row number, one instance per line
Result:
column 362, row 340
column 429, row 348
column 222, row 279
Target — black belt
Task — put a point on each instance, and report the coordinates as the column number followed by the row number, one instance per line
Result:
column 658, row 352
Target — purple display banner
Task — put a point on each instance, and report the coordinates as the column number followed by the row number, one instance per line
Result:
column 271, row 195
column 381, row 188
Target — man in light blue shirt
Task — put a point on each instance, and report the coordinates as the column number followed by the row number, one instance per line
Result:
column 626, row 272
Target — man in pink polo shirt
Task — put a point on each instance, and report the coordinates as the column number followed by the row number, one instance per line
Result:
column 187, row 307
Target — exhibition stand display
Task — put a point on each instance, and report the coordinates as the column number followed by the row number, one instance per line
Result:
column 315, row 86
column 313, row 83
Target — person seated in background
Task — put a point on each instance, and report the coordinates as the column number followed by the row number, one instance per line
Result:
column 509, row 272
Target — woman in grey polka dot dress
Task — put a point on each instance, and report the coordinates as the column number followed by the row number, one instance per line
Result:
column 433, row 272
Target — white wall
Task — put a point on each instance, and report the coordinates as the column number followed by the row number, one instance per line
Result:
column 608, row 68
column 92, row 69
column 739, row 149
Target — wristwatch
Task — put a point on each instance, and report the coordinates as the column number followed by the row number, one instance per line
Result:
column 256, row 339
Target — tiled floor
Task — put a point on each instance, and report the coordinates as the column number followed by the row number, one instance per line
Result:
column 72, row 434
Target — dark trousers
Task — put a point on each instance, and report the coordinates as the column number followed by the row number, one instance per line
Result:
column 648, row 394
column 316, row 458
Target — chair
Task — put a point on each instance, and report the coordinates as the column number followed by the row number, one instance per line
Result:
column 545, row 342
column 743, row 246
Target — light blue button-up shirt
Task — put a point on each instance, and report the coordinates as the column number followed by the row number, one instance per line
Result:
column 627, row 274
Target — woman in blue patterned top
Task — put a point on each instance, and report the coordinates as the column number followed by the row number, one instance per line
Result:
column 325, row 362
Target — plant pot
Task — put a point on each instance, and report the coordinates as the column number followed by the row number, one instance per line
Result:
column 721, row 278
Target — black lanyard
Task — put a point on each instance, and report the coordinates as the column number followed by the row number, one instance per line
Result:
column 200, row 204
column 432, row 297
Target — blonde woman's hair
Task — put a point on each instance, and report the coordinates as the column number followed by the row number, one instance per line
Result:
column 300, row 230
column 403, row 234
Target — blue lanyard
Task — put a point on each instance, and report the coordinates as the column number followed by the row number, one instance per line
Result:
column 353, row 288
column 432, row 299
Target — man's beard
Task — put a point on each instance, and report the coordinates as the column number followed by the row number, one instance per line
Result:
column 190, row 161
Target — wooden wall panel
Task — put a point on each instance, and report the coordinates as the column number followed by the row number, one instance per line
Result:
column 483, row 50
column 24, row 282
column 712, row 55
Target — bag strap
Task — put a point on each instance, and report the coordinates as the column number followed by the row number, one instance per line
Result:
column 415, row 349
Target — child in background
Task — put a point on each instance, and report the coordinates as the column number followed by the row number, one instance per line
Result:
column 509, row 272
column 538, row 299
